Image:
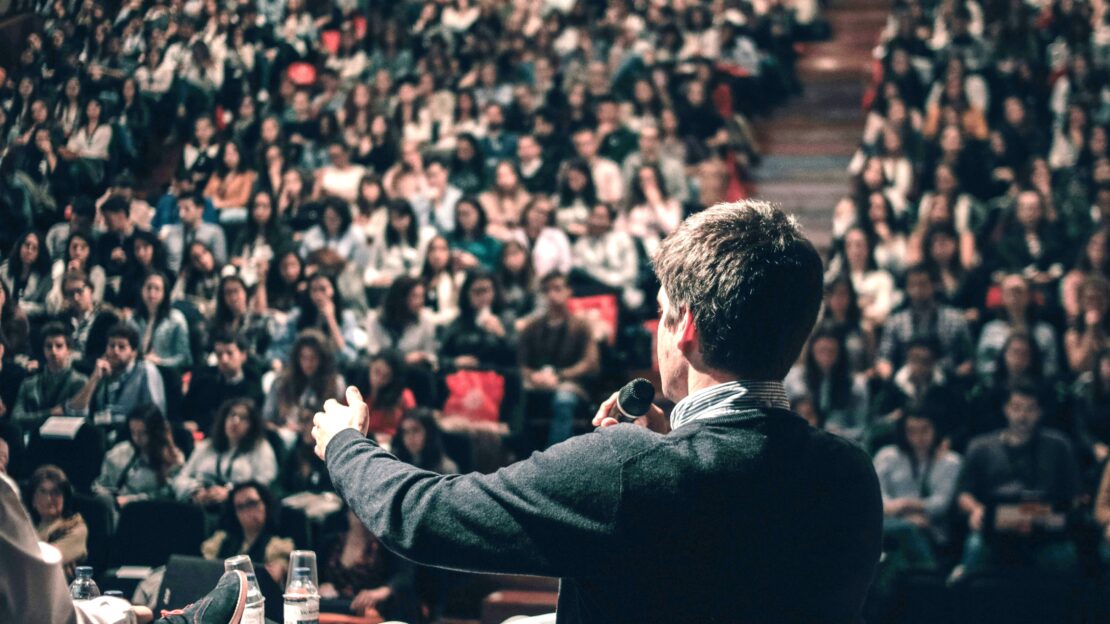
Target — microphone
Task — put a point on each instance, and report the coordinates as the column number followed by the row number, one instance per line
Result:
column 634, row 400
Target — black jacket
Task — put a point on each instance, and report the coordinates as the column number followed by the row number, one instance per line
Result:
column 752, row 517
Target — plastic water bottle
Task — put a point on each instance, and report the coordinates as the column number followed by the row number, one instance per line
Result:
column 302, row 599
column 84, row 587
column 255, row 611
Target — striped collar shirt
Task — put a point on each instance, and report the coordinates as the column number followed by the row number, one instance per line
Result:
column 728, row 398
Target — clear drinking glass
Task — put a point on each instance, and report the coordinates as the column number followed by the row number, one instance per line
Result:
column 302, row 559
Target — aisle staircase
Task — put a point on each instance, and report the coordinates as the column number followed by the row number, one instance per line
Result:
column 808, row 142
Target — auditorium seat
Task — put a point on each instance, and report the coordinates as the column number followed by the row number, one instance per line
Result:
column 98, row 519
column 150, row 531
column 79, row 458
column 1005, row 597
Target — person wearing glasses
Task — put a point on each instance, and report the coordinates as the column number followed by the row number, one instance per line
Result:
column 50, row 504
column 235, row 452
column 248, row 523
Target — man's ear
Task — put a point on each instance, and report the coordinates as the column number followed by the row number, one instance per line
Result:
column 687, row 333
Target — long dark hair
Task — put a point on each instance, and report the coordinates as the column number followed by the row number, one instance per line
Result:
column 163, row 310
column 310, row 314
column 431, row 457
column 588, row 193
column 395, row 313
column 293, row 382
column 85, row 236
column 1099, row 392
column 223, row 315
column 636, row 195
column 218, row 434
column 840, row 377
column 479, row 228
column 229, row 522
column 855, row 315
column 903, row 443
column 468, row 313
column 159, row 441
column 271, row 229
column 278, row 291
column 41, row 265
column 1036, row 363
column 411, row 234
column 390, row 395
column 524, row 278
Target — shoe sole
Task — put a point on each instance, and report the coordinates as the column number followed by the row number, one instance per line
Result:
column 241, row 602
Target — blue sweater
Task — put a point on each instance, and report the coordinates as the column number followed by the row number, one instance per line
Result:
column 750, row 517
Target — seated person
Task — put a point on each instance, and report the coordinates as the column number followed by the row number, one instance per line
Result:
column 558, row 355
column 481, row 336
column 841, row 397
column 213, row 386
column 87, row 319
column 121, row 381
column 358, row 574
column 607, row 258
column 309, row 378
column 302, row 470
column 235, row 452
column 143, row 466
column 248, row 521
column 163, row 331
column 1023, row 462
column 192, row 227
column 386, row 393
column 404, row 324
column 918, row 386
column 419, row 442
column 48, row 392
column 925, row 316
column 918, row 482
column 321, row 308
column 50, row 503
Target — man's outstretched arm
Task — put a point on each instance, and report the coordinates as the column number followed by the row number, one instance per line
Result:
column 554, row 514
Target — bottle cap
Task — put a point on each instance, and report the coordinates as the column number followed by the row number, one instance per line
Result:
column 84, row 570
column 302, row 573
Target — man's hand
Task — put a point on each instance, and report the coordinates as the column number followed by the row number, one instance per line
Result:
column 655, row 419
column 337, row 417
column 369, row 598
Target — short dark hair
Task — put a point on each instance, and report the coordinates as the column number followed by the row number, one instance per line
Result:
column 126, row 331
column 551, row 277
column 752, row 282
column 1024, row 388
column 53, row 329
column 226, row 337
column 115, row 203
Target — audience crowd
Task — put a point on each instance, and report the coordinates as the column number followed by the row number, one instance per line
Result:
column 219, row 214
column 966, row 333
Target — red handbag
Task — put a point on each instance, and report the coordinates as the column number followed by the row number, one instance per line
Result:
column 475, row 395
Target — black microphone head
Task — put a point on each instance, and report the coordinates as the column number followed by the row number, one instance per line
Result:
column 635, row 397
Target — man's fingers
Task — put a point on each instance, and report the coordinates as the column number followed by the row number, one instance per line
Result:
column 606, row 407
column 318, row 419
column 354, row 396
column 331, row 405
